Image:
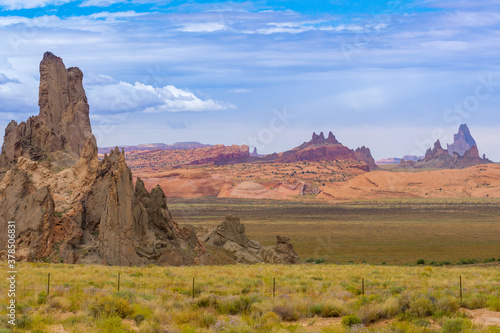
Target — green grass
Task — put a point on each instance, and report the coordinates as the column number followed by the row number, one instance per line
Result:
column 239, row 298
column 397, row 231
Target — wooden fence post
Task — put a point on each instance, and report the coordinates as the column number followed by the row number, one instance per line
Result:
column 193, row 287
column 461, row 289
column 48, row 284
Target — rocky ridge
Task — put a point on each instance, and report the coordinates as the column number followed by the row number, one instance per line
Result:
column 320, row 148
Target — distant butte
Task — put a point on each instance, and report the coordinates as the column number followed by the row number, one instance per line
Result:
column 320, row 148
column 462, row 153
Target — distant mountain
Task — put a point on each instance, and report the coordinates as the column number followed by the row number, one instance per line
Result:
column 412, row 158
column 320, row 148
column 462, row 153
column 462, row 142
column 155, row 146
column 163, row 159
column 397, row 160
column 389, row 160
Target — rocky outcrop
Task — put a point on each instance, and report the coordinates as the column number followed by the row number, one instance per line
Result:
column 462, row 141
column 440, row 158
column 33, row 213
column 230, row 235
column 89, row 212
column 131, row 225
column 324, row 149
column 281, row 253
column 62, row 128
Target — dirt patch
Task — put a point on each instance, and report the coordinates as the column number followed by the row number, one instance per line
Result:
column 56, row 329
column 317, row 323
column 484, row 317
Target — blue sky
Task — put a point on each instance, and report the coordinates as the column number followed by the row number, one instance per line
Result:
column 391, row 75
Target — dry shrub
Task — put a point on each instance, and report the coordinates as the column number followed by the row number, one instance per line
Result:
column 334, row 308
column 106, row 306
column 370, row 313
column 286, row 313
column 390, row 308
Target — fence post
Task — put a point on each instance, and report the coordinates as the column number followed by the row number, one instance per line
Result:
column 48, row 284
column 362, row 286
column 118, row 281
column 460, row 288
column 274, row 287
column 193, row 287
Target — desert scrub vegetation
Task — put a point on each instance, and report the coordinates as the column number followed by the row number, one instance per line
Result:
column 240, row 298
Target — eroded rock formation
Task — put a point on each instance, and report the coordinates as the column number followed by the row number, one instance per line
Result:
column 230, row 235
column 62, row 128
column 462, row 141
column 90, row 211
column 320, row 148
column 463, row 153
column 69, row 206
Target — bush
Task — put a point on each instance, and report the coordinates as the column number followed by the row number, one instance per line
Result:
column 454, row 325
column 139, row 318
column 420, row 262
column 467, row 261
column 24, row 322
column 60, row 303
column 286, row 313
column 420, row 306
column 447, row 305
column 207, row 320
column 333, row 309
column 370, row 313
column 390, row 308
column 493, row 303
column 316, row 309
column 476, row 301
column 270, row 318
column 236, row 305
column 42, row 297
column 350, row 320
column 111, row 325
column 203, row 302
column 488, row 260
column 107, row 306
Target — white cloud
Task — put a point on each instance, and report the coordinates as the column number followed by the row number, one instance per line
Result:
column 240, row 91
column 27, row 4
column 119, row 97
column 202, row 27
column 99, row 3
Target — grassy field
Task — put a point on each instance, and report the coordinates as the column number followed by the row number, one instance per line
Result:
column 398, row 231
column 308, row 298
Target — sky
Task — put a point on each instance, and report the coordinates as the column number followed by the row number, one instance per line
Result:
column 394, row 76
